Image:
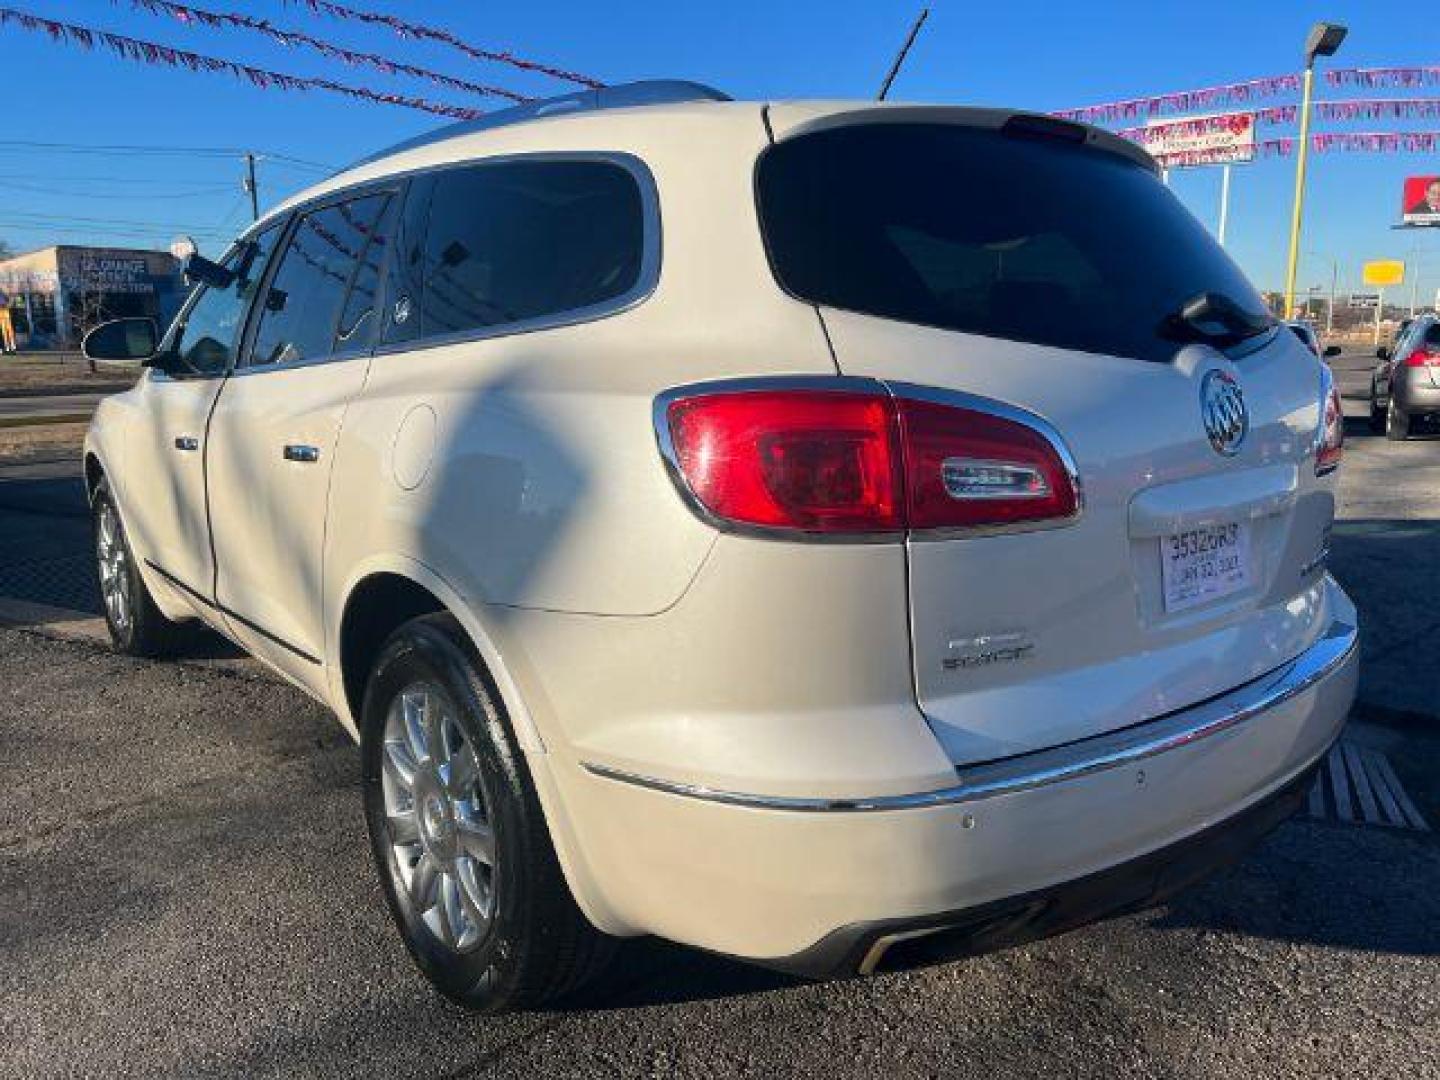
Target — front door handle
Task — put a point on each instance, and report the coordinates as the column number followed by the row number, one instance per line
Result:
column 306, row 455
column 186, row 442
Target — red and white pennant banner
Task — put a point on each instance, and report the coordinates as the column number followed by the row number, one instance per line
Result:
column 148, row 52
column 1428, row 75
column 1329, row 142
column 421, row 32
column 1185, row 100
column 192, row 15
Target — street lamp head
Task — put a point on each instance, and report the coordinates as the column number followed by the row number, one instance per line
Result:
column 1324, row 40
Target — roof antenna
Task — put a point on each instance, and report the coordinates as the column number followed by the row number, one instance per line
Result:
column 904, row 52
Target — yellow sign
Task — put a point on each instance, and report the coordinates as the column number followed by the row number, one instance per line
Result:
column 1385, row 272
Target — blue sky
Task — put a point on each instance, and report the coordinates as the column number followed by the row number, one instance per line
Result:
column 1026, row 53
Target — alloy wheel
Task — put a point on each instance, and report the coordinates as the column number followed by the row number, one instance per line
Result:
column 112, row 562
column 441, row 842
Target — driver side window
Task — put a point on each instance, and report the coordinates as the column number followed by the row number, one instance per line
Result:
column 206, row 342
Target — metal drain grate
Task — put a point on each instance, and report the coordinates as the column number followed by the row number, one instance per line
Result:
column 1357, row 785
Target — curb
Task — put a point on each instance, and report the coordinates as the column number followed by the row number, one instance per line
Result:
column 44, row 419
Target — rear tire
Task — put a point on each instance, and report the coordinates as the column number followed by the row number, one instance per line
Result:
column 137, row 628
column 459, row 839
column 1377, row 414
column 1397, row 423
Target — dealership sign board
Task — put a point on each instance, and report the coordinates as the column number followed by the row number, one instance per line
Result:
column 1384, row 272
column 1421, row 201
column 1219, row 139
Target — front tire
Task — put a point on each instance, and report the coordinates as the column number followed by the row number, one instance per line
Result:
column 137, row 628
column 1397, row 423
column 459, row 839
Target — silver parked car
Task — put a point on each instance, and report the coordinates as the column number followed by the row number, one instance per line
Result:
column 1405, row 385
column 783, row 528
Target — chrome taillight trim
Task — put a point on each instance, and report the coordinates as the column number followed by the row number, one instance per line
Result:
column 1062, row 764
column 858, row 384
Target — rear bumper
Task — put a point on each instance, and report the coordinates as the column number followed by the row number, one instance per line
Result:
column 1059, row 836
column 1414, row 393
column 1131, row 886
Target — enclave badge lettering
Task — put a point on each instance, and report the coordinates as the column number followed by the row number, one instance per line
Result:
column 987, row 649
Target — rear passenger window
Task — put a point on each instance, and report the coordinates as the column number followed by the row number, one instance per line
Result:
column 302, row 314
column 513, row 242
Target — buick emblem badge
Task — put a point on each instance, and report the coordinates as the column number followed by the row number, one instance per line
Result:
column 1222, row 408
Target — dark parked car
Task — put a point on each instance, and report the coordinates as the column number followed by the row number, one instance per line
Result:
column 1307, row 333
column 1405, row 385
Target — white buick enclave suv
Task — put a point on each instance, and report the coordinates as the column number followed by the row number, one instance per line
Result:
column 807, row 531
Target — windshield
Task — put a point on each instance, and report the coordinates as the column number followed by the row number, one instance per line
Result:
column 1023, row 238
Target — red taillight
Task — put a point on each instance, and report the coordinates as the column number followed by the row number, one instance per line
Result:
column 1424, row 356
column 827, row 461
column 966, row 468
column 1330, row 447
column 791, row 459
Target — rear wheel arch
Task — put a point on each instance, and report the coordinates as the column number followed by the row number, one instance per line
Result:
column 94, row 473
column 383, row 598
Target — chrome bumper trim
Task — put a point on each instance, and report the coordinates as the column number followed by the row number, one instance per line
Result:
column 1112, row 750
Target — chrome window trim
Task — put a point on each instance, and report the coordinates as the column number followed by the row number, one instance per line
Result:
column 1061, row 764
column 864, row 385
column 243, row 365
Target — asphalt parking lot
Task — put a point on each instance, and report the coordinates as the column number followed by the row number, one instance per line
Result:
column 185, row 886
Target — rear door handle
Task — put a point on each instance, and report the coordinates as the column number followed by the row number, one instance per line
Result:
column 186, row 442
column 307, row 455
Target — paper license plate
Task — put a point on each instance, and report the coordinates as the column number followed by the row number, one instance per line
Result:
column 1201, row 565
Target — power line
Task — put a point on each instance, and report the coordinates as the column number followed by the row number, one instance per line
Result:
column 188, row 15
column 123, row 150
column 50, row 189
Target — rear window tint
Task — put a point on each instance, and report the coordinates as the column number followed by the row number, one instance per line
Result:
column 514, row 242
column 1432, row 334
column 973, row 230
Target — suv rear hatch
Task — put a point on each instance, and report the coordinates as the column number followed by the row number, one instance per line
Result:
column 1042, row 266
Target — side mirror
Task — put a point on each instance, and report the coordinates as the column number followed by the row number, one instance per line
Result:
column 122, row 339
column 200, row 270
column 1332, row 350
column 1382, row 353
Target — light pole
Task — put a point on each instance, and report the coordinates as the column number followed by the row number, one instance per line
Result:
column 1334, row 288
column 1324, row 40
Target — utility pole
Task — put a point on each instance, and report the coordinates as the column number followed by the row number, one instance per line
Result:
column 904, row 52
column 1334, row 285
column 251, row 187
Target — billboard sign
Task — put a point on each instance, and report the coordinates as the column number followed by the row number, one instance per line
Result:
column 1217, row 139
column 1421, row 202
column 1365, row 300
column 1384, row 272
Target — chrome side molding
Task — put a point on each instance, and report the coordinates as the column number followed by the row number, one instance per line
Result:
column 1112, row 750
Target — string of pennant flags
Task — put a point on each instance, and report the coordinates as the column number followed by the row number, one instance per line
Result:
column 1337, row 111
column 1243, row 93
column 149, row 52
column 420, row 32
column 1328, row 142
column 189, row 15
column 1153, row 108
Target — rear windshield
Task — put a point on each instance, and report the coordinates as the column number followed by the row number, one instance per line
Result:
column 1027, row 239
